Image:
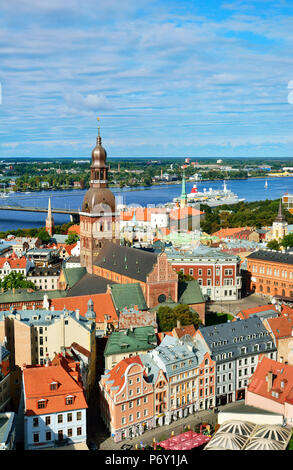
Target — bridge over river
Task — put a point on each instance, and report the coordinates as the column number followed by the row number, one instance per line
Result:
column 73, row 214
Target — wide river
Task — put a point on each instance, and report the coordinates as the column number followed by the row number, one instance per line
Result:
column 251, row 190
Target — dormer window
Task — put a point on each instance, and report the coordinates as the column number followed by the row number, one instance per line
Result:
column 69, row 400
column 41, row 403
column 53, row 386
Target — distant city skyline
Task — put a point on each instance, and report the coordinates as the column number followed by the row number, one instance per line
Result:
column 176, row 78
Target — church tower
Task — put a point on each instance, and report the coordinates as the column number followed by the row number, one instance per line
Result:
column 280, row 225
column 98, row 213
column 50, row 220
column 183, row 197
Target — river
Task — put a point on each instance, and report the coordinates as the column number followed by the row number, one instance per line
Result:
column 252, row 189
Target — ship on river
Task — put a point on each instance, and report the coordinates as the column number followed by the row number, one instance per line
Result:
column 210, row 197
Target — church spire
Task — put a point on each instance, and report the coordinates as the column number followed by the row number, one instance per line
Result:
column 50, row 220
column 183, row 198
column 280, row 216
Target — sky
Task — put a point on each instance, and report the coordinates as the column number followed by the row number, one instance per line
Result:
column 169, row 78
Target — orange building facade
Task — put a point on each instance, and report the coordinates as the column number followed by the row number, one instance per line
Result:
column 271, row 273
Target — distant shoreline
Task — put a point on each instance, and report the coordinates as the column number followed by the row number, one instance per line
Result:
column 161, row 183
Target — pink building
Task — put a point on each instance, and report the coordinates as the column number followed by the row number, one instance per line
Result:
column 271, row 388
column 127, row 399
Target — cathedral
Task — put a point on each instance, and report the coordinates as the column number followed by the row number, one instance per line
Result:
column 98, row 213
column 100, row 250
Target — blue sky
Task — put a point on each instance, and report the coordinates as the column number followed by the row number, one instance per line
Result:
column 197, row 78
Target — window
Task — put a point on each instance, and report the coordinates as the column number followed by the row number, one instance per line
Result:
column 35, row 422
column 69, row 400
column 36, row 437
column 48, row 420
column 69, row 432
column 60, row 418
column 131, row 404
column 53, row 386
column 48, row 435
column 130, row 418
column 69, row 417
column 78, row 415
column 123, row 420
column 41, row 404
column 79, row 431
column 123, row 407
column 145, row 412
column 137, row 415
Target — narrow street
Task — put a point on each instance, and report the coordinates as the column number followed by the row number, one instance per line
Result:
column 104, row 441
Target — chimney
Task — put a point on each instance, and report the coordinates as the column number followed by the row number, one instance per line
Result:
column 77, row 311
column 178, row 324
column 270, row 380
column 52, row 308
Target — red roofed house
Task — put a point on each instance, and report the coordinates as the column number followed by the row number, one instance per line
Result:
column 103, row 308
column 54, row 405
column 271, row 388
column 127, row 399
column 74, row 229
column 260, row 311
column 282, row 330
column 13, row 263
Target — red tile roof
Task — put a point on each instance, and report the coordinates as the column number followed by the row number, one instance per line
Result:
column 184, row 330
column 74, row 228
column 14, row 262
column 282, row 327
column 37, row 381
column 245, row 313
column 183, row 212
column 282, row 381
column 103, row 305
column 230, row 232
column 116, row 375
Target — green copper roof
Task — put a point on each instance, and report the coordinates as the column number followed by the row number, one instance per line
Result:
column 139, row 339
column 128, row 295
column 22, row 295
column 73, row 275
column 189, row 292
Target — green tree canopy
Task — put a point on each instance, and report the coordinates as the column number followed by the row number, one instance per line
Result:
column 17, row 281
column 287, row 241
column 273, row 245
column 72, row 238
column 44, row 236
column 167, row 317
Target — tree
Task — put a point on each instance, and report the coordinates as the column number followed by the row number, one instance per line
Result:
column 44, row 236
column 17, row 281
column 184, row 277
column 168, row 317
column 287, row 241
column 72, row 238
column 273, row 245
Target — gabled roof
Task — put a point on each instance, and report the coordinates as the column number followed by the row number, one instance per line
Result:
column 116, row 376
column 282, row 381
column 14, row 262
column 103, row 305
column 261, row 311
column 281, row 327
column 184, row 330
column 273, row 256
column 233, row 336
column 189, row 292
column 138, row 339
column 130, row 262
column 73, row 275
column 37, row 381
column 89, row 284
column 128, row 295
